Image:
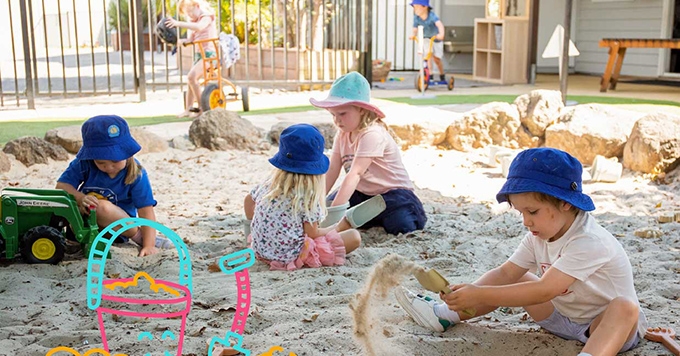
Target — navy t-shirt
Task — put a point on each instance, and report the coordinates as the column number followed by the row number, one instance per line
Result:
column 429, row 25
column 88, row 179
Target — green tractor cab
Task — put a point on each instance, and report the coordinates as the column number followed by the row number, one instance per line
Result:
column 35, row 223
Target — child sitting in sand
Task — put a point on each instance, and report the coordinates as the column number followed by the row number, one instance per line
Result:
column 366, row 150
column 584, row 289
column 287, row 208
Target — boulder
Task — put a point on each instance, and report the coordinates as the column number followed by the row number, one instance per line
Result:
column 328, row 130
column 493, row 123
column 539, row 109
column 219, row 129
column 33, row 150
column 68, row 137
column 149, row 141
column 654, row 144
column 5, row 164
column 588, row 130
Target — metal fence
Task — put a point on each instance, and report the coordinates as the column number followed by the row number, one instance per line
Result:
column 69, row 48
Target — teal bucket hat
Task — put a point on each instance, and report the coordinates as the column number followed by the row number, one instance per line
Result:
column 350, row 89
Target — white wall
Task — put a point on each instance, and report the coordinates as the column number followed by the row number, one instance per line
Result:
column 618, row 19
column 551, row 14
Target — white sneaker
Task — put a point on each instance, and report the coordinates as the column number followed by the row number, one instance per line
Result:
column 421, row 309
column 163, row 243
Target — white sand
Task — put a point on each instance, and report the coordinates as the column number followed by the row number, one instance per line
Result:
column 200, row 195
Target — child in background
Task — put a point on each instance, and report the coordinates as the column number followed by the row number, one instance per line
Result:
column 584, row 289
column 202, row 24
column 106, row 176
column 365, row 148
column 287, row 208
column 432, row 26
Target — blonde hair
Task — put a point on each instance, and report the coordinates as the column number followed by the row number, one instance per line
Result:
column 134, row 170
column 183, row 4
column 304, row 190
column 369, row 117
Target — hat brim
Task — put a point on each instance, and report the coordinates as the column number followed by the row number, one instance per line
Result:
column 524, row 185
column 332, row 102
column 301, row 167
column 109, row 153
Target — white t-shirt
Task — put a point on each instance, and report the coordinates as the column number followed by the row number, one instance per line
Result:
column 386, row 171
column 277, row 234
column 589, row 253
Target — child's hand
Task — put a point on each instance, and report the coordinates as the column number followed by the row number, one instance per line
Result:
column 87, row 202
column 462, row 297
column 147, row 251
column 171, row 23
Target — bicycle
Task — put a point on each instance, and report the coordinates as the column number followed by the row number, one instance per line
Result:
column 419, row 83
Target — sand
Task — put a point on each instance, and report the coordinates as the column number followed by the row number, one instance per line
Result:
column 307, row 312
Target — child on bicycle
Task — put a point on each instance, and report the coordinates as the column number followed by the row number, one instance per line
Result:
column 202, row 24
column 286, row 209
column 432, row 26
column 583, row 287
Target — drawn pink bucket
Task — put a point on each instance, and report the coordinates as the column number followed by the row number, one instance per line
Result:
column 183, row 303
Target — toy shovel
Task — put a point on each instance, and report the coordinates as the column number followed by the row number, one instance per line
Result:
column 666, row 336
column 434, row 282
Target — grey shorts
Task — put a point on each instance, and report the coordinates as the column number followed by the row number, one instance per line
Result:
column 561, row 326
column 438, row 49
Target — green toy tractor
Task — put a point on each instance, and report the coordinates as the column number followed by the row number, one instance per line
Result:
column 35, row 223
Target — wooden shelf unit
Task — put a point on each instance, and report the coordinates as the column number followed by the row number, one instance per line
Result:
column 504, row 61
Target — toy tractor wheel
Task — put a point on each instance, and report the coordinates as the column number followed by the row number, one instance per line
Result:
column 212, row 98
column 452, row 81
column 43, row 244
column 245, row 99
column 418, row 83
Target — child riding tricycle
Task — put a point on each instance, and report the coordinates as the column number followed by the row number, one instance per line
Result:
column 427, row 80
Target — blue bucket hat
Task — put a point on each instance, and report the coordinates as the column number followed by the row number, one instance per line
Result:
column 421, row 2
column 107, row 137
column 301, row 151
column 352, row 88
column 549, row 171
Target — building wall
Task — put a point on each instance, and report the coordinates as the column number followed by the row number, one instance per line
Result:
column 618, row 19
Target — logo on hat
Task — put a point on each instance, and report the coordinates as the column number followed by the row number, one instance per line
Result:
column 114, row 131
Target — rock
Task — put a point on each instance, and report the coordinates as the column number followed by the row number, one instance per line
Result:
column 182, row 143
column 149, row 141
column 33, row 150
column 68, row 137
column 5, row 164
column 328, row 130
column 588, row 130
column 493, row 123
column 654, row 144
column 539, row 109
column 221, row 130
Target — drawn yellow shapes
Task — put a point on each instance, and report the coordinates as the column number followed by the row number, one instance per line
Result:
column 155, row 287
column 73, row 352
column 276, row 349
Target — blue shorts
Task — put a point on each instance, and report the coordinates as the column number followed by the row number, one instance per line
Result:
column 403, row 213
column 563, row 327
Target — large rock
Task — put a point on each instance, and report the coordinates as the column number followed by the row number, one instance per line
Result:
column 654, row 144
column 328, row 130
column 539, row 109
column 221, row 130
column 68, row 137
column 5, row 164
column 149, row 141
column 33, row 150
column 586, row 131
column 493, row 123
column 71, row 139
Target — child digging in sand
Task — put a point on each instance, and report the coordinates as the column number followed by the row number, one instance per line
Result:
column 287, row 208
column 583, row 289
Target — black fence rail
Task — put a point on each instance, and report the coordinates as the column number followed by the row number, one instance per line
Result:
column 70, row 48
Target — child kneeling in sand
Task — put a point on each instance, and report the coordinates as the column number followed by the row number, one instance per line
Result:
column 287, row 208
column 584, row 289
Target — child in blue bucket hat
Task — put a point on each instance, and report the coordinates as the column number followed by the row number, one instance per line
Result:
column 106, row 176
column 583, row 287
column 432, row 27
column 288, row 206
column 365, row 148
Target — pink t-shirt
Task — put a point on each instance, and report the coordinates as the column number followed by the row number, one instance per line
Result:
column 208, row 32
column 386, row 171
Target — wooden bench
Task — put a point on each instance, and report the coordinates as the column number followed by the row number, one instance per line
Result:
column 617, row 50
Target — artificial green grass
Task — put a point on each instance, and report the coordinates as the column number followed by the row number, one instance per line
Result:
column 10, row 130
column 481, row 99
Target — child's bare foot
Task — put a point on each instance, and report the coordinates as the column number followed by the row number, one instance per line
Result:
column 184, row 114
